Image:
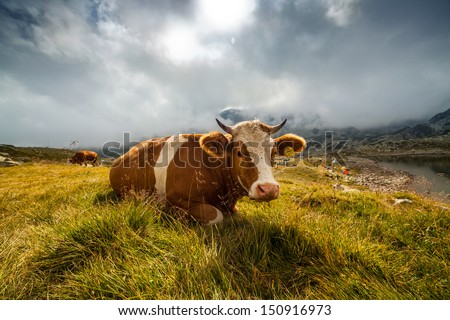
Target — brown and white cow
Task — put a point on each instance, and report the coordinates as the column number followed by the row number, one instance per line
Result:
column 206, row 174
column 83, row 157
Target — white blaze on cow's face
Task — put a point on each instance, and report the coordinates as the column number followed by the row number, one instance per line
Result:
column 256, row 146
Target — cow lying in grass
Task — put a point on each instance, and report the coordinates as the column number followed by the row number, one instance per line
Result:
column 206, row 174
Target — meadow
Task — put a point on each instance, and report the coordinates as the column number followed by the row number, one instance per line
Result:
column 64, row 235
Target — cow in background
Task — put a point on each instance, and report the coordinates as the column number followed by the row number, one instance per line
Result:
column 206, row 174
column 85, row 157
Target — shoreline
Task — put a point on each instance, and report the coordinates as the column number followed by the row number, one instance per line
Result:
column 371, row 174
column 431, row 155
column 376, row 177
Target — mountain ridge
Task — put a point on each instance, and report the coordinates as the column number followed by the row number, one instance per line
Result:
column 427, row 137
column 437, row 125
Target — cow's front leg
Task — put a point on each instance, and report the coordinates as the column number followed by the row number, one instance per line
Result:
column 206, row 213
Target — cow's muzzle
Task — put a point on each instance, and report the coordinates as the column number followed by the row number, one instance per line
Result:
column 265, row 191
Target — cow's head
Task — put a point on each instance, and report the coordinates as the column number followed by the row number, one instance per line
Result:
column 249, row 151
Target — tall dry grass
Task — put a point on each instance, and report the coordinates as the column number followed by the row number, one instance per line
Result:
column 64, row 235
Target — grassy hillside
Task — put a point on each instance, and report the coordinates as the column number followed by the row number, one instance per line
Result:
column 38, row 154
column 64, row 235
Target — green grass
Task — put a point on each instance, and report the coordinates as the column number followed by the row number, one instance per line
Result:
column 64, row 235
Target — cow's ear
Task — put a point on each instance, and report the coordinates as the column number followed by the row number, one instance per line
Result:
column 289, row 140
column 214, row 143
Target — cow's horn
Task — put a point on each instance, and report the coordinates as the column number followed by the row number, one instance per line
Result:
column 225, row 128
column 274, row 129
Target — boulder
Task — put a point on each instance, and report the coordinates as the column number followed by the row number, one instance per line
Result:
column 7, row 162
column 400, row 201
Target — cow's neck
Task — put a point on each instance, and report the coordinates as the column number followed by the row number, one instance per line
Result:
column 233, row 190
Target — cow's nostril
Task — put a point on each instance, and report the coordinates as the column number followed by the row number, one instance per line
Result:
column 261, row 190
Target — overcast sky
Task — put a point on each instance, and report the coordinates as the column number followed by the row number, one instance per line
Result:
column 92, row 70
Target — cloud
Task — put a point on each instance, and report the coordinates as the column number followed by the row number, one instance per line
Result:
column 345, row 73
column 341, row 12
column 224, row 16
column 90, row 71
column 186, row 40
column 33, row 119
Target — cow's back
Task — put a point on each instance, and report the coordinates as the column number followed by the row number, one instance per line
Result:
column 90, row 156
column 134, row 171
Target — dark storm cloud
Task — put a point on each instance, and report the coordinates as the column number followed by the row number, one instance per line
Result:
column 159, row 67
column 390, row 60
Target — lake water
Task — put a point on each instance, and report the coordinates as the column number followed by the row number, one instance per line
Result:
column 431, row 175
